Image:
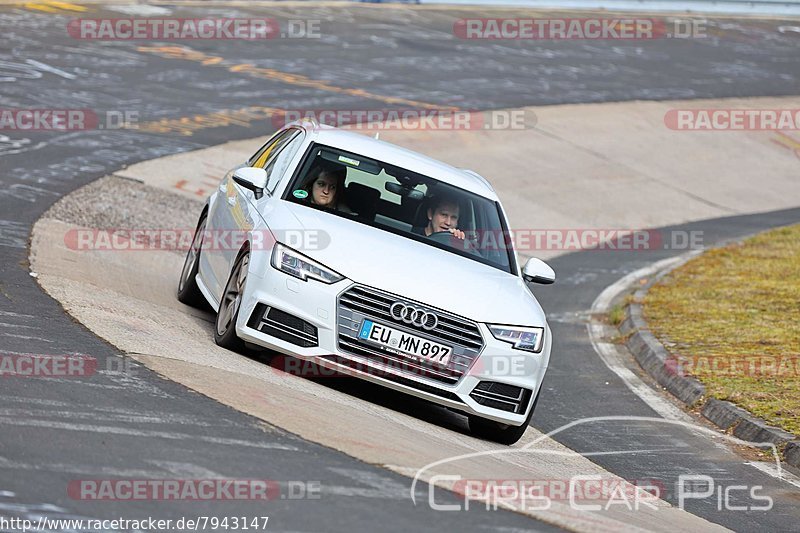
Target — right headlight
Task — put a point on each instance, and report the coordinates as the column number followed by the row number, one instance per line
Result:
column 296, row 264
column 523, row 338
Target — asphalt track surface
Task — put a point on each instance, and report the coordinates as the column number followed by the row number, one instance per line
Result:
column 137, row 425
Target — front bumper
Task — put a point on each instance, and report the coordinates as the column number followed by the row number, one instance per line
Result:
column 493, row 380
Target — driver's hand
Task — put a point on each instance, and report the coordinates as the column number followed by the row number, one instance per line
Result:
column 457, row 233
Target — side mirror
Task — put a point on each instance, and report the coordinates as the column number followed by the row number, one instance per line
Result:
column 537, row 271
column 251, row 178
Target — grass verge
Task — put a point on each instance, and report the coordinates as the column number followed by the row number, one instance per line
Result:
column 616, row 315
column 732, row 318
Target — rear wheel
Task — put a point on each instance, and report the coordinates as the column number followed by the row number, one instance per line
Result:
column 188, row 291
column 225, row 325
column 497, row 432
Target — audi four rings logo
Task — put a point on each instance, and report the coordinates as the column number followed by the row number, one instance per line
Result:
column 411, row 315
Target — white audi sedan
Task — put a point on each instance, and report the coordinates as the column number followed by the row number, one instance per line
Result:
column 376, row 262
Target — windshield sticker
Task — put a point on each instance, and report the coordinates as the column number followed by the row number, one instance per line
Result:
column 349, row 161
column 300, row 193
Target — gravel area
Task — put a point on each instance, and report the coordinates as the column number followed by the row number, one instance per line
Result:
column 112, row 203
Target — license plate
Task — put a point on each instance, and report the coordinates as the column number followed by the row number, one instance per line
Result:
column 404, row 343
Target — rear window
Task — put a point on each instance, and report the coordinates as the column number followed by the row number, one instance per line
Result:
column 402, row 202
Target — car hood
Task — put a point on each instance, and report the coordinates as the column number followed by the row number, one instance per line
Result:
column 408, row 268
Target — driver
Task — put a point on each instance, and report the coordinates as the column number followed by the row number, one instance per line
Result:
column 442, row 216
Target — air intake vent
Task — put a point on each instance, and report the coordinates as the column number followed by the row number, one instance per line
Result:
column 284, row 326
column 501, row 396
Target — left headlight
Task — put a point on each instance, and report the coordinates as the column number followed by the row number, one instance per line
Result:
column 527, row 339
column 296, row 264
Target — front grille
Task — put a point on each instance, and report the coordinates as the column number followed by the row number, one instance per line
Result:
column 284, row 326
column 501, row 396
column 450, row 330
column 462, row 335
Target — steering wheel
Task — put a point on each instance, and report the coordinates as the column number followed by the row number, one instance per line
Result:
column 445, row 237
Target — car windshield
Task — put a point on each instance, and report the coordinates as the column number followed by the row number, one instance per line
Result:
column 402, row 202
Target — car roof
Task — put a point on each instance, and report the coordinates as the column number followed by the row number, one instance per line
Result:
column 396, row 155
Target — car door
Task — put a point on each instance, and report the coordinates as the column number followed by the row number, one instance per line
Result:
column 232, row 215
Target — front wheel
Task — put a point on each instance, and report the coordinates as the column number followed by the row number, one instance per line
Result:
column 188, row 291
column 225, row 325
column 497, row 432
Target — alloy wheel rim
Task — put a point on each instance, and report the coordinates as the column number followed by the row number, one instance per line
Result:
column 232, row 297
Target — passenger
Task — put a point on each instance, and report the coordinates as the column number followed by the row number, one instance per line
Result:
column 327, row 189
column 442, row 216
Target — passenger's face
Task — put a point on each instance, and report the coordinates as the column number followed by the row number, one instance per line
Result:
column 323, row 191
column 443, row 218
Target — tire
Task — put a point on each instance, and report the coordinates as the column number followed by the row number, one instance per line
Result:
column 188, row 291
column 497, row 432
column 225, row 324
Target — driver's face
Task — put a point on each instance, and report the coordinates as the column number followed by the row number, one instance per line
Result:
column 443, row 218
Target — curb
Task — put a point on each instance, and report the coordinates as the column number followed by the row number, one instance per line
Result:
column 655, row 359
